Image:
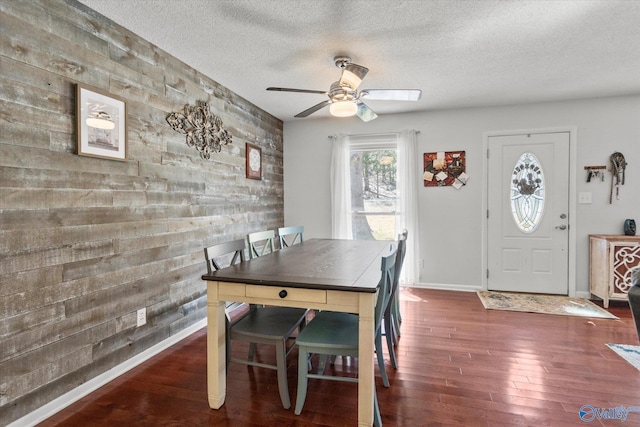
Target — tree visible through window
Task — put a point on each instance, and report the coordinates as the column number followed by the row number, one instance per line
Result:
column 373, row 193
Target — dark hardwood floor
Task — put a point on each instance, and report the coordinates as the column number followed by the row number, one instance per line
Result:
column 460, row 365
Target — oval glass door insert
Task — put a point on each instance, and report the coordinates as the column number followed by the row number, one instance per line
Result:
column 527, row 193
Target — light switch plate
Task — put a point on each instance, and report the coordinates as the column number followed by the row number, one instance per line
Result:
column 584, row 198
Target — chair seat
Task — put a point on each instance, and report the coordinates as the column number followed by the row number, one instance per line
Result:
column 269, row 322
column 330, row 330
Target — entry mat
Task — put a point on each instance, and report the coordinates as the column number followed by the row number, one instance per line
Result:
column 539, row 303
column 630, row 353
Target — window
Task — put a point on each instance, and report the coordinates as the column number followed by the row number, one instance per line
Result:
column 372, row 173
column 384, row 203
column 527, row 193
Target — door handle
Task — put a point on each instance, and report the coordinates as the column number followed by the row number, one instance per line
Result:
column 561, row 227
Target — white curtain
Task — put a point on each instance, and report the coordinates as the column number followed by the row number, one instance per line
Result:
column 407, row 182
column 340, row 189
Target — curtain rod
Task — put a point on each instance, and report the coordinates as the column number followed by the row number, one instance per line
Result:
column 374, row 134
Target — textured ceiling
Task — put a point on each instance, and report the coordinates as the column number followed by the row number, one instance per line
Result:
column 461, row 53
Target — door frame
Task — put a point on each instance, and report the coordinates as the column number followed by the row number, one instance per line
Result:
column 573, row 139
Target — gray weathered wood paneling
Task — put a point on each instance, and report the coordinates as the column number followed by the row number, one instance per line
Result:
column 85, row 242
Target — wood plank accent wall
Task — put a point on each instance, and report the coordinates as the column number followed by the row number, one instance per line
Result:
column 85, row 242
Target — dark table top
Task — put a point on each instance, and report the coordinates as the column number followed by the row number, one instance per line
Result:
column 330, row 264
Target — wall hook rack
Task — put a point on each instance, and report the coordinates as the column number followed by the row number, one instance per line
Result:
column 595, row 171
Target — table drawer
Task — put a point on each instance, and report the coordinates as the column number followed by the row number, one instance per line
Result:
column 284, row 293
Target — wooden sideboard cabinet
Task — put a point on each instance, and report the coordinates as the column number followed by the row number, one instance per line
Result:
column 611, row 259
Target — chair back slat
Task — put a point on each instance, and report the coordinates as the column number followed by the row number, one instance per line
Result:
column 387, row 268
column 400, row 253
column 293, row 234
column 213, row 254
column 266, row 238
column 403, row 236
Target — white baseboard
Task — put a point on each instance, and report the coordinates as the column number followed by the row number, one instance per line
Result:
column 445, row 287
column 471, row 288
column 79, row 392
column 583, row 294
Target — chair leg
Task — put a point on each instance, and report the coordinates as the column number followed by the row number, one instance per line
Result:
column 395, row 325
column 252, row 351
column 388, row 329
column 377, row 418
column 397, row 317
column 322, row 362
column 394, row 332
column 227, row 341
column 281, row 363
column 303, row 358
column 380, row 356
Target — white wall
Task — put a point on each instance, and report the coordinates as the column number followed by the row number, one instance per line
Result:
column 451, row 238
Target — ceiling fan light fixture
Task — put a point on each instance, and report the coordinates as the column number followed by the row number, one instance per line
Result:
column 351, row 80
column 343, row 109
column 352, row 76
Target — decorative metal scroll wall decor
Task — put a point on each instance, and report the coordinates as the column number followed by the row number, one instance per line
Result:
column 203, row 128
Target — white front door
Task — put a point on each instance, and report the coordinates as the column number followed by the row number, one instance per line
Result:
column 528, row 208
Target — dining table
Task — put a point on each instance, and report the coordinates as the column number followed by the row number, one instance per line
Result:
column 321, row 274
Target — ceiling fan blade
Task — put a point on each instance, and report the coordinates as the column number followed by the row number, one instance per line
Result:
column 286, row 89
column 391, row 94
column 352, row 75
column 313, row 109
column 365, row 113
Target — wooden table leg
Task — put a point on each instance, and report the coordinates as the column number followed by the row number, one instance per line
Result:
column 216, row 359
column 366, row 380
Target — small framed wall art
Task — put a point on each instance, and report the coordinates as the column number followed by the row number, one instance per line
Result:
column 254, row 161
column 445, row 168
column 101, row 121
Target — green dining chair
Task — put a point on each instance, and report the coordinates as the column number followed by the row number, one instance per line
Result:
column 395, row 303
column 261, row 243
column 290, row 235
column 332, row 333
column 390, row 320
column 258, row 325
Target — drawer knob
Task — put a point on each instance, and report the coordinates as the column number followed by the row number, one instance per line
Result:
column 283, row 294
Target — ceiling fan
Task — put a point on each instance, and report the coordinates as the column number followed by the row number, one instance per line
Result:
column 344, row 97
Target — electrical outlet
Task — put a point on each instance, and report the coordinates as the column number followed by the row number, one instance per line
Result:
column 421, row 263
column 142, row 316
